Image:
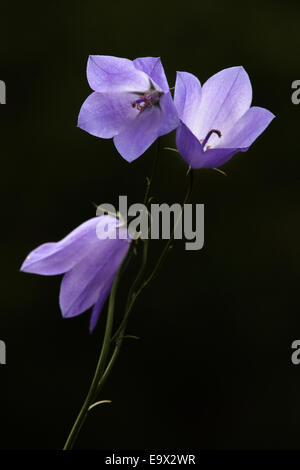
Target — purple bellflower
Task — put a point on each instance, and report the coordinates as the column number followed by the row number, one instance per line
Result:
column 90, row 264
column 131, row 102
column 217, row 120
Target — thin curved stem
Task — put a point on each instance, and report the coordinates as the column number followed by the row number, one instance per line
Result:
column 133, row 289
column 134, row 293
column 171, row 239
column 154, row 168
column 139, row 277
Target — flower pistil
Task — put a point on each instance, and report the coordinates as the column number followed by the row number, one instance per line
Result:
column 204, row 141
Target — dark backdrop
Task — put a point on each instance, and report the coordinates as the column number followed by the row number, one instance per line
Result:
column 212, row 369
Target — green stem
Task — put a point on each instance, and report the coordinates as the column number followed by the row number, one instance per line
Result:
column 136, row 289
column 168, row 244
column 101, row 372
column 132, row 292
column 154, row 168
column 100, row 369
column 113, row 358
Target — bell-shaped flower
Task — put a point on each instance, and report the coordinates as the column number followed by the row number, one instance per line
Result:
column 90, row 257
column 131, row 102
column 216, row 120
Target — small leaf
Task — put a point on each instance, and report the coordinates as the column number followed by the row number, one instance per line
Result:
column 98, row 403
column 170, row 148
column 220, row 171
column 130, row 336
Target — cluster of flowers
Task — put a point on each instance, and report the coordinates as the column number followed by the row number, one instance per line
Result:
column 132, row 104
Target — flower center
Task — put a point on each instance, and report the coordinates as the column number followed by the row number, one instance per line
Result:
column 147, row 99
column 204, row 141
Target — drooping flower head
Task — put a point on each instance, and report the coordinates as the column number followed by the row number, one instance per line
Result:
column 90, row 257
column 131, row 102
column 217, row 120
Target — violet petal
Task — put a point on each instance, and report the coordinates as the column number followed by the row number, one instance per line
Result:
column 105, row 114
column 140, row 134
column 114, row 74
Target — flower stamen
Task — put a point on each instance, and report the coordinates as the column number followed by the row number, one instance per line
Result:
column 147, row 100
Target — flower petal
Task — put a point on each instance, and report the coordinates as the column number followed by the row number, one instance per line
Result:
column 170, row 117
column 100, row 302
column 114, row 74
column 90, row 280
column 239, row 139
column 57, row 258
column 104, row 114
column 152, row 66
column 134, row 140
column 192, row 152
column 189, row 146
column 187, row 99
column 216, row 157
column 226, row 96
column 247, row 129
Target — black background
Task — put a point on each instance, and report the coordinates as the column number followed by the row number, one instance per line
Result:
column 212, row 369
